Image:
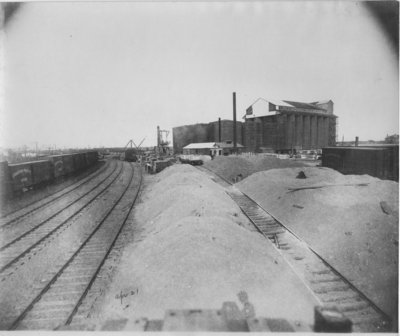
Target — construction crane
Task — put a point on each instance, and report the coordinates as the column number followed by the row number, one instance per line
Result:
column 162, row 142
column 131, row 154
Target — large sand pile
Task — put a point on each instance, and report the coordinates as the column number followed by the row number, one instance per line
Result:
column 194, row 252
column 230, row 167
column 355, row 228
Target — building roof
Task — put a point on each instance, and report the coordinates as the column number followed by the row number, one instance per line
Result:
column 201, row 145
column 304, row 105
column 26, row 162
column 224, row 120
column 191, row 125
column 279, row 102
column 209, row 145
column 273, row 101
column 326, row 101
column 272, row 107
column 365, row 149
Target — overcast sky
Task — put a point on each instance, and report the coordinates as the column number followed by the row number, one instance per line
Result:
column 100, row 74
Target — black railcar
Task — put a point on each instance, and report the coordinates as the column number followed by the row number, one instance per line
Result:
column 379, row 161
column 79, row 161
column 27, row 175
column 17, row 177
column 68, row 163
column 57, row 164
column 131, row 155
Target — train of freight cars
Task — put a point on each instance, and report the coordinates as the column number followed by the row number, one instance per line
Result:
column 18, row 177
column 131, row 155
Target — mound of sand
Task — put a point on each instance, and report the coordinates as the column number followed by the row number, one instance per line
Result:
column 350, row 220
column 230, row 167
column 194, row 252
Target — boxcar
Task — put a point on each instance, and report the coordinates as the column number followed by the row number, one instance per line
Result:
column 5, row 180
column 84, row 159
column 131, row 155
column 378, row 161
column 79, row 161
column 57, row 165
column 41, row 172
column 91, row 158
column 68, row 164
column 21, row 175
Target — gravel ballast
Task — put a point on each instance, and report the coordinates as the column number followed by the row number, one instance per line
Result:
column 234, row 168
column 193, row 250
column 350, row 220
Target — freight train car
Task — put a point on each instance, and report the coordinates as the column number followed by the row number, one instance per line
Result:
column 5, row 183
column 194, row 160
column 378, row 161
column 68, row 164
column 79, row 161
column 91, row 158
column 21, row 176
column 58, row 165
column 131, row 155
column 42, row 172
column 15, row 178
column 29, row 174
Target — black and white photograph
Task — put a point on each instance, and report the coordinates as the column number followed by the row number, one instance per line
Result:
column 199, row 166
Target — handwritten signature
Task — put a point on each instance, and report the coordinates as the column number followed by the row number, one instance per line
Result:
column 122, row 295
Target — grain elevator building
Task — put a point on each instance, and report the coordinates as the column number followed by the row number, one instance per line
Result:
column 284, row 126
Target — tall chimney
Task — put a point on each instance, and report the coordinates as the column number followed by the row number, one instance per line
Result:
column 219, row 129
column 356, row 143
column 234, row 123
column 158, row 136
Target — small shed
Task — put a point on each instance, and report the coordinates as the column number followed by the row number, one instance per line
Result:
column 202, row 148
column 227, row 147
column 211, row 148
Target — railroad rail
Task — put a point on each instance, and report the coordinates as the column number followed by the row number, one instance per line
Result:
column 34, row 206
column 325, row 282
column 18, row 247
column 57, row 302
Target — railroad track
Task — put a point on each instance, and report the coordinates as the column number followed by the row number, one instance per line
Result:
column 29, row 209
column 61, row 297
column 326, row 283
column 35, row 237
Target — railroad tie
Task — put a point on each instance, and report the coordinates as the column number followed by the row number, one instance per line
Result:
column 330, row 288
column 339, row 297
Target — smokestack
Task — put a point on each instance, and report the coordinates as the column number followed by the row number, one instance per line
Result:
column 356, row 144
column 219, row 129
column 158, row 136
column 234, row 123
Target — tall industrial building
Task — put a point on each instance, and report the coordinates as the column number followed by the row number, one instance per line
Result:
column 269, row 126
column 283, row 126
column 216, row 131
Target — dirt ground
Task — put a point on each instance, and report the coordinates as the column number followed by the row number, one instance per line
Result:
column 350, row 220
column 192, row 250
column 232, row 167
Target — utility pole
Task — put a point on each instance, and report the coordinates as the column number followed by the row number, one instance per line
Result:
column 219, row 129
column 234, row 123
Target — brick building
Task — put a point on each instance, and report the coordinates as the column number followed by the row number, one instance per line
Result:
column 210, row 132
column 283, row 126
